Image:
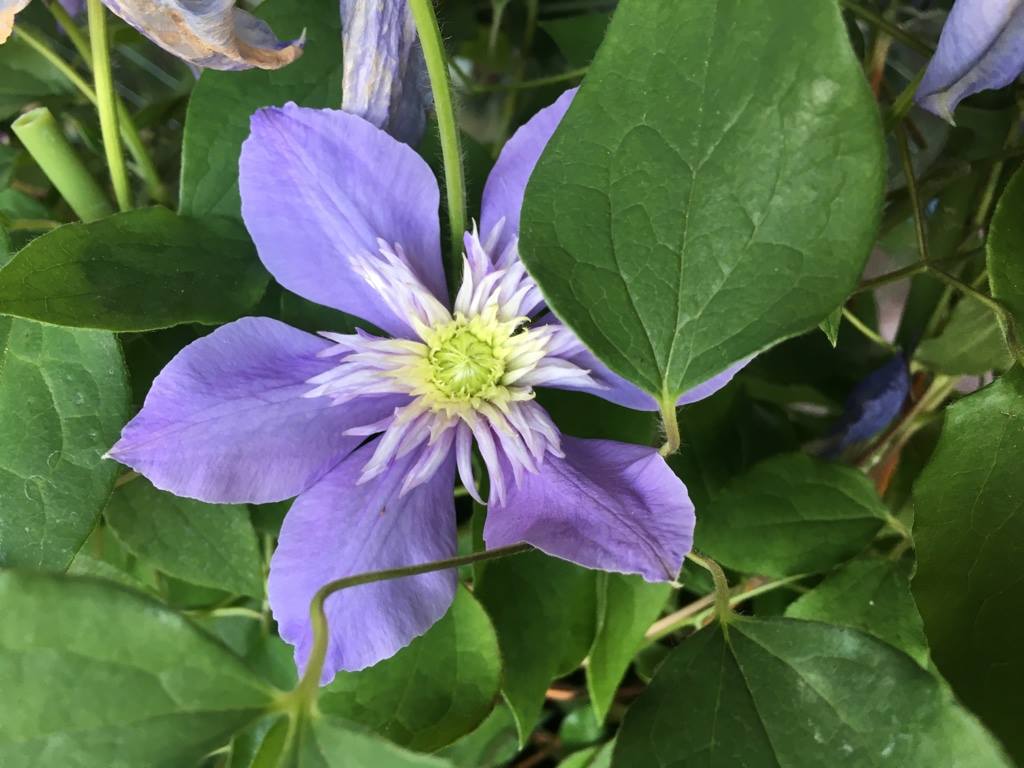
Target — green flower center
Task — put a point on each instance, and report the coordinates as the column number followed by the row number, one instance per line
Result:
column 465, row 360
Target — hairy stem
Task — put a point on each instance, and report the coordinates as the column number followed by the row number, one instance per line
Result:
column 451, row 147
column 106, row 103
column 723, row 608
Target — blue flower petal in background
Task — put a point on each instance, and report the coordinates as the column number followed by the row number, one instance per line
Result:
column 981, row 48
column 212, row 34
column 385, row 76
column 872, row 405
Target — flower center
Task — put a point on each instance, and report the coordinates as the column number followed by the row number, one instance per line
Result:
column 466, row 359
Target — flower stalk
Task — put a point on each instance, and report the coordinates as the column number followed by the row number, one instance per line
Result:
column 307, row 691
column 723, row 595
column 106, row 103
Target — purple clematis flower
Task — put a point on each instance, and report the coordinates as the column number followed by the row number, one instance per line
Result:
column 981, row 47
column 204, row 33
column 369, row 430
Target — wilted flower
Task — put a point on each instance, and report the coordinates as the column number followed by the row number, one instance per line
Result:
column 385, row 76
column 205, row 33
column 872, row 405
column 981, row 47
column 369, row 430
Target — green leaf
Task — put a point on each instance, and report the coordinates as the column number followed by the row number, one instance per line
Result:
column 222, row 102
column 8, row 157
column 626, row 608
column 594, row 757
column 544, row 611
column 26, row 76
column 85, row 565
column 578, row 37
column 435, row 690
column 64, row 399
column 330, row 742
column 791, row 514
column 971, row 343
column 781, row 692
column 135, row 271
column 830, row 326
column 211, row 545
column 872, row 595
column 676, row 241
column 968, row 529
column 103, row 676
column 494, row 743
column 1005, row 245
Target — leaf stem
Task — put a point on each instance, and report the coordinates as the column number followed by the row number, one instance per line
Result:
column 37, row 44
column 867, row 331
column 451, row 149
column 723, row 608
column 106, row 102
column 670, row 422
column 920, row 229
column 44, row 140
column 894, row 31
column 307, row 691
column 540, row 82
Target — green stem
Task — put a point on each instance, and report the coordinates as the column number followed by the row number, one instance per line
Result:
column 890, row 277
column 42, row 137
column 894, row 31
column 572, row 74
column 723, row 608
column 903, row 103
column 866, row 331
column 920, row 229
column 451, row 149
column 106, row 102
column 1005, row 317
column 307, row 691
column 697, row 612
column 37, row 44
column 145, row 167
column 670, row 422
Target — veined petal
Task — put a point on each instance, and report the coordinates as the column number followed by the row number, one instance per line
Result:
column 339, row 528
column 981, row 47
column 8, row 10
column 226, row 420
column 503, row 192
column 209, row 33
column 322, row 186
column 385, row 77
column 606, row 505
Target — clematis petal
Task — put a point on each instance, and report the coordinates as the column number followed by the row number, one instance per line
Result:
column 322, row 186
column 8, row 10
column 607, row 505
column 340, row 528
column 226, row 420
column 503, row 192
column 872, row 405
column 385, row 75
column 981, row 47
column 209, row 33
column 614, row 388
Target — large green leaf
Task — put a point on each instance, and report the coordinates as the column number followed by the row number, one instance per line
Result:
column 698, row 205
column 872, row 595
column 969, row 530
column 432, row 692
column 493, row 744
column 135, row 271
column 97, row 675
column 971, row 343
column 222, row 102
column 207, row 544
column 782, row 693
column 330, row 742
column 626, row 607
column 791, row 514
column 1005, row 246
column 64, row 399
column 544, row 611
